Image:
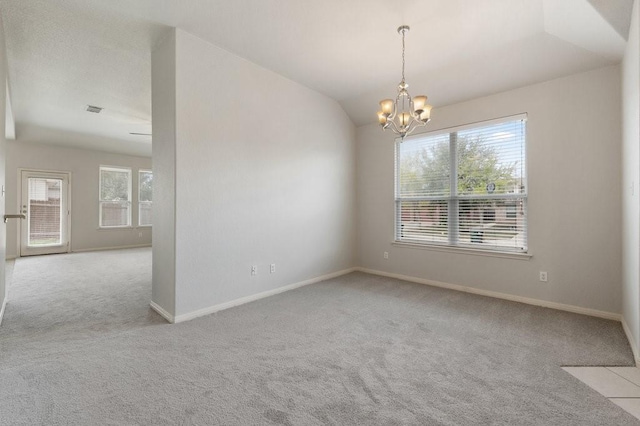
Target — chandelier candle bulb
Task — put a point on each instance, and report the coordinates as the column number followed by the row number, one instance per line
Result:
column 418, row 103
column 425, row 115
column 387, row 106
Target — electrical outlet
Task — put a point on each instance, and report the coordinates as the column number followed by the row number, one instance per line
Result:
column 140, row 234
column 543, row 276
column 273, row 268
column 254, row 270
column 386, row 254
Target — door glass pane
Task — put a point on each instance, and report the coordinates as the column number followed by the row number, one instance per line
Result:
column 44, row 212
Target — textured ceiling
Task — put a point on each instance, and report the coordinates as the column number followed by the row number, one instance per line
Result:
column 64, row 55
column 68, row 53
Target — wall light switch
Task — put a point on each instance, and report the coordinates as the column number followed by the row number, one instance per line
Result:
column 254, row 270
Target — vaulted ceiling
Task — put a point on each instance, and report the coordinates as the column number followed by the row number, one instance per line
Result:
column 64, row 55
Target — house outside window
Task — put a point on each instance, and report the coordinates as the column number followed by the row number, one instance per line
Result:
column 115, row 197
column 145, row 197
column 464, row 187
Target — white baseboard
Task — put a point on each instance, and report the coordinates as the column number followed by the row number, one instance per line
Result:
column 110, row 248
column 254, row 297
column 166, row 315
column 497, row 295
column 632, row 341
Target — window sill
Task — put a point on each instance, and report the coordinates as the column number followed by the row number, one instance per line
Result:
column 115, row 228
column 465, row 250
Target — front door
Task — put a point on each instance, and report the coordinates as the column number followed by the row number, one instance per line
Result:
column 45, row 203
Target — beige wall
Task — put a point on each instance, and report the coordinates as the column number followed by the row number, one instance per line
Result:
column 163, row 105
column 3, row 78
column 573, row 146
column 84, row 167
column 254, row 187
column 631, row 179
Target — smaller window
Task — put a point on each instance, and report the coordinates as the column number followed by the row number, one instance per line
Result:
column 145, row 197
column 115, row 197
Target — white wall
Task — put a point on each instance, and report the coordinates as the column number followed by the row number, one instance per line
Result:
column 163, row 105
column 264, row 174
column 3, row 94
column 84, row 167
column 631, row 178
column 574, row 200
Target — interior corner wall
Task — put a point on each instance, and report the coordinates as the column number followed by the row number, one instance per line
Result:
column 84, row 166
column 264, row 175
column 163, row 109
column 3, row 102
column 574, row 232
column 631, row 181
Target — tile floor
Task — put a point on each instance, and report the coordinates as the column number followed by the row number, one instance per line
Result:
column 620, row 384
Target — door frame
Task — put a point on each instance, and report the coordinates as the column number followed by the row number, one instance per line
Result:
column 23, row 222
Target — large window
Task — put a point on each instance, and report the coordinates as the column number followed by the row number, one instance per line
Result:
column 115, row 197
column 145, row 197
column 466, row 187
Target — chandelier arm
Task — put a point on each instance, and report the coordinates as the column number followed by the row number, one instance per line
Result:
column 414, row 125
column 394, row 127
column 407, row 131
column 410, row 127
column 393, row 114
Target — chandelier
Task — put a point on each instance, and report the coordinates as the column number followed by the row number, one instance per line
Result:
column 404, row 114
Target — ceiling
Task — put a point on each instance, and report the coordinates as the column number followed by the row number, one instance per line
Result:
column 64, row 55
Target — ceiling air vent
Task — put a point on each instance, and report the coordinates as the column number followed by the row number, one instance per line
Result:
column 94, row 109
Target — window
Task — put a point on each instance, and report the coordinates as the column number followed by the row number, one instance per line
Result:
column 115, row 197
column 464, row 188
column 145, row 197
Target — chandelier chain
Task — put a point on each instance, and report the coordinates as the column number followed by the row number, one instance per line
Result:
column 403, row 31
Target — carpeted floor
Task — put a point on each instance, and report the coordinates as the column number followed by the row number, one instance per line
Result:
column 80, row 346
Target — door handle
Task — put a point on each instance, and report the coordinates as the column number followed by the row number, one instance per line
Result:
column 13, row 216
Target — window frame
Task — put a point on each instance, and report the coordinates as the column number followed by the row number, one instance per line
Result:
column 453, row 199
column 101, row 201
column 140, row 202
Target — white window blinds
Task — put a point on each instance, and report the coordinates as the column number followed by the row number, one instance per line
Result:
column 464, row 187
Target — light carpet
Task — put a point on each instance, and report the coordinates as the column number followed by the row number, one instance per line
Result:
column 80, row 346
